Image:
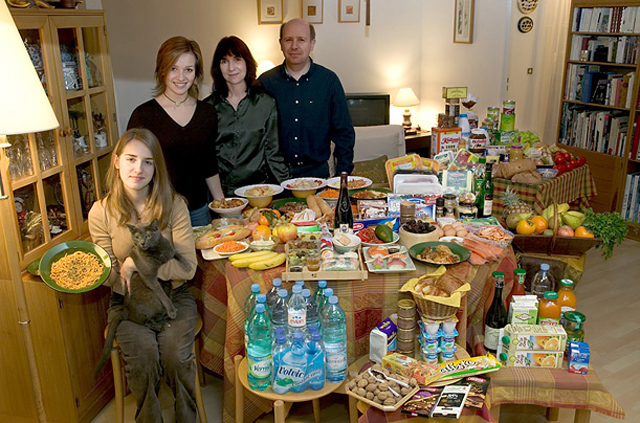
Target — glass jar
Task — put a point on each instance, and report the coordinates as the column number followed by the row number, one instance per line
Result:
column 548, row 309
column 574, row 326
column 407, row 211
column 450, row 204
column 516, row 153
column 466, row 209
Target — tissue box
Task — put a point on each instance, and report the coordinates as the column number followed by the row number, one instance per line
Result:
column 382, row 340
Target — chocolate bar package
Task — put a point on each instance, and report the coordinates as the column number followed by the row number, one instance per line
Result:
column 422, row 402
column 451, row 401
column 478, row 392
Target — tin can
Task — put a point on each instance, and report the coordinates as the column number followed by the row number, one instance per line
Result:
column 404, row 345
column 406, row 323
column 406, row 334
column 406, row 309
column 509, row 107
column 507, row 122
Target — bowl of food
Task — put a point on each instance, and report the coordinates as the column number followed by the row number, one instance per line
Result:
column 264, row 243
column 303, row 187
column 353, row 182
column 259, row 195
column 547, row 173
column 329, row 195
column 344, row 243
column 418, row 231
column 229, row 206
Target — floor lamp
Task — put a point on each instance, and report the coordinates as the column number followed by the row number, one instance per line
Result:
column 24, row 108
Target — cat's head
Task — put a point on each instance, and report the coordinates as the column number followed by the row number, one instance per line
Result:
column 145, row 235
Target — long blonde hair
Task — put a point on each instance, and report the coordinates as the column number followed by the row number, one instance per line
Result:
column 161, row 192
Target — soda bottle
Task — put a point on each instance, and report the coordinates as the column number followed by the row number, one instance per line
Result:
column 334, row 324
column 315, row 360
column 496, row 316
column 296, row 312
column 259, row 360
column 319, row 293
column 251, row 300
column 312, row 310
column 272, row 293
column 279, row 311
column 280, row 348
column 542, row 282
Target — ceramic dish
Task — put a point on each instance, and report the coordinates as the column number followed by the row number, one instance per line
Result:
column 259, row 200
column 230, row 211
column 267, row 244
column 455, row 239
column 328, row 200
column 312, row 184
column 380, row 193
column 58, row 251
column 459, row 250
column 396, row 237
column 354, row 243
column 409, row 265
column 209, row 255
column 218, row 248
column 33, row 267
column 548, row 173
column 355, row 182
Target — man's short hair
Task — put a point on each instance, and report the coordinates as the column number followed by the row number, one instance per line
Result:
column 311, row 29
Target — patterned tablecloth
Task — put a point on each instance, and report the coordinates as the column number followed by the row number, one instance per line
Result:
column 366, row 303
column 576, row 185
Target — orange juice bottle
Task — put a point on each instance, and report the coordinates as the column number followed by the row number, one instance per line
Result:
column 566, row 297
column 548, row 309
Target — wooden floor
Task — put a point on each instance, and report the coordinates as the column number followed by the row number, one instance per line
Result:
column 608, row 294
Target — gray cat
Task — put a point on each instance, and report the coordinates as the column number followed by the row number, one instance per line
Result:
column 147, row 302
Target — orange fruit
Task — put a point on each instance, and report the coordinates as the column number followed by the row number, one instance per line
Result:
column 541, row 224
column 263, row 220
column 582, row 232
column 525, row 227
column 261, row 232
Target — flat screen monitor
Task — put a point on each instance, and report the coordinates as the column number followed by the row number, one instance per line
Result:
column 369, row 109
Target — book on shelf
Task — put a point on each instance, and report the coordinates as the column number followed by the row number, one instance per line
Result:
column 616, row 19
column 633, row 151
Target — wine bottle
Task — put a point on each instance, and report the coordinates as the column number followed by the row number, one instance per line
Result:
column 496, row 316
column 344, row 215
column 484, row 200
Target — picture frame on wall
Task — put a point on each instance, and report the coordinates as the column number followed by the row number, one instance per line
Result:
column 312, row 10
column 463, row 22
column 348, row 10
column 269, row 12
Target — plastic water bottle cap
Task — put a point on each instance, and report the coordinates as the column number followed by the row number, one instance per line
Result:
column 306, row 292
column 282, row 293
column 278, row 331
column 276, row 282
column 261, row 298
column 280, row 339
column 315, row 336
column 297, row 336
column 313, row 328
column 259, row 308
column 296, row 289
column 328, row 292
column 300, row 283
column 464, row 115
column 322, row 284
column 544, row 266
column 255, row 288
column 333, row 299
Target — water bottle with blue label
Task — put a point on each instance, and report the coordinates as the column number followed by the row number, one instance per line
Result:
column 259, row 359
column 260, row 299
column 315, row 376
column 334, row 326
column 292, row 368
column 280, row 348
column 296, row 312
column 279, row 311
column 312, row 310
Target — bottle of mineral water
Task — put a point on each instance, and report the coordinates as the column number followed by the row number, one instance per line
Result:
column 272, row 293
column 315, row 360
column 280, row 348
column 542, row 282
column 259, row 360
column 319, row 292
column 312, row 310
column 251, row 300
column 279, row 311
column 324, row 300
column 260, row 299
column 298, row 362
column 334, row 324
column 296, row 312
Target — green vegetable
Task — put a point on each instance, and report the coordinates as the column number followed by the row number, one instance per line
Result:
column 384, row 233
column 609, row 227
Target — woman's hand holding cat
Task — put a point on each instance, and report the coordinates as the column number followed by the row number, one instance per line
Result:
column 126, row 271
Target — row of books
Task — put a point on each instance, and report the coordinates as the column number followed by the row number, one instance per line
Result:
column 588, row 84
column 634, row 151
column 599, row 131
column 631, row 199
column 589, row 48
column 617, row 19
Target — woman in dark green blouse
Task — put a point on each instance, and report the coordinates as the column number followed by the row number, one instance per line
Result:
column 247, row 145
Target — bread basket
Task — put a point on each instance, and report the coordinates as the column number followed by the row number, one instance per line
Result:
column 433, row 306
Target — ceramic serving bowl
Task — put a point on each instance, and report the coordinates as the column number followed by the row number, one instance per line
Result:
column 409, row 239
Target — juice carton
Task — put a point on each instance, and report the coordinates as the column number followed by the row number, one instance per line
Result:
column 534, row 338
column 523, row 311
column 382, row 340
column 549, row 359
column 579, row 356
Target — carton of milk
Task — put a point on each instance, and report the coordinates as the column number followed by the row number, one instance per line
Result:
column 382, row 340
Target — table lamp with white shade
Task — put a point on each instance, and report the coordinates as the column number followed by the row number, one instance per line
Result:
column 406, row 98
column 264, row 66
column 24, row 108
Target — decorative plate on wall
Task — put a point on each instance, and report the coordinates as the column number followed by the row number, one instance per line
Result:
column 525, row 24
column 527, row 6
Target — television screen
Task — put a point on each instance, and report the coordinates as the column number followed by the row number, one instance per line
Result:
column 369, row 109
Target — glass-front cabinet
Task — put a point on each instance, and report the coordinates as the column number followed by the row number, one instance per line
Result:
column 55, row 176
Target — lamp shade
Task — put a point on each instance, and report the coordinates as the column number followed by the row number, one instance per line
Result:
column 264, row 66
column 406, row 98
column 24, row 106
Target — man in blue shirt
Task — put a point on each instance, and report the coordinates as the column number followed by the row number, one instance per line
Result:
column 312, row 107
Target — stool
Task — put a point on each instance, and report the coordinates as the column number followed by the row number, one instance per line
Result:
column 282, row 403
column 119, row 377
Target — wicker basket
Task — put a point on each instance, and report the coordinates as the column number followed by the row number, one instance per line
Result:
column 433, row 310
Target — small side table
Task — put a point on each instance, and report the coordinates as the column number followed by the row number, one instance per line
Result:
column 419, row 143
column 282, row 403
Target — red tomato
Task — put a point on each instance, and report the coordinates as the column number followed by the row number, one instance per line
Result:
column 557, row 167
column 558, row 158
column 581, row 160
column 567, row 156
column 574, row 163
column 565, row 167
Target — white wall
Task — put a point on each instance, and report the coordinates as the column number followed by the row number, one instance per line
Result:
column 409, row 44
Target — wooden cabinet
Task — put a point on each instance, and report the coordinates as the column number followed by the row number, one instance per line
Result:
column 53, row 179
column 599, row 106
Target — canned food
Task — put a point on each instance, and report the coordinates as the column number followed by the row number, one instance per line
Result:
column 406, row 334
column 406, row 308
column 509, row 107
column 405, row 345
column 406, row 323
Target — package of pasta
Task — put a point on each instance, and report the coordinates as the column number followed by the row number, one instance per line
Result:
column 468, row 367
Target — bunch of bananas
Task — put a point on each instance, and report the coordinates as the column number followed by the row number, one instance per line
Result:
column 572, row 218
column 22, row 4
column 257, row 260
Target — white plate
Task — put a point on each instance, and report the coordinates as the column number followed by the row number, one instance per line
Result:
column 225, row 254
column 368, row 260
column 335, row 182
column 240, row 192
column 396, row 237
column 209, row 254
column 288, row 184
column 455, row 239
column 231, row 210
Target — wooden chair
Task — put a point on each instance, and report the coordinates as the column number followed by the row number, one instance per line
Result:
column 119, row 377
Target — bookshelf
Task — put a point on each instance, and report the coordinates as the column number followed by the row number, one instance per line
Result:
column 599, row 111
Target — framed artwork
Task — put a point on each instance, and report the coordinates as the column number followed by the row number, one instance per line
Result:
column 463, row 22
column 269, row 12
column 312, row 10
column 348, row 10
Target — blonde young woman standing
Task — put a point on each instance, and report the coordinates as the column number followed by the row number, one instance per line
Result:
column 185, row 126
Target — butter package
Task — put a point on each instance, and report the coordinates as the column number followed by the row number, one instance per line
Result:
column 524, row 311
column 548, row 359
column 534, row 338
column 382, row 340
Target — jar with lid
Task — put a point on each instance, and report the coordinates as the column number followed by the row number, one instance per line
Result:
column 450, row 204
column 574, row 326
column 548, row 309
column 516, row 153
column 466, row 208
column 439, row 207
column 407, row 211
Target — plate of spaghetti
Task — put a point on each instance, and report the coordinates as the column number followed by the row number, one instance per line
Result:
column 75, row 266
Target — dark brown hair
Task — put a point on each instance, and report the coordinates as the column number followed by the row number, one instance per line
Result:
column 232, row 46
column 169, row 53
